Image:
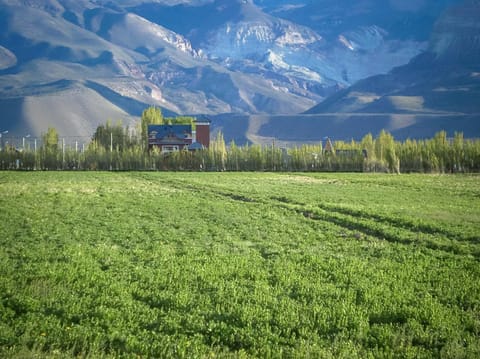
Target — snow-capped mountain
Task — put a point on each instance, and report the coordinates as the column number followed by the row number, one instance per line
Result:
column 300, row 53
column 303, row 47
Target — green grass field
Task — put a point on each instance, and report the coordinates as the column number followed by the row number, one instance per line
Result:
column 200, row 265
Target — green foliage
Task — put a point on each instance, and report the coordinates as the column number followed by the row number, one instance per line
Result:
column 112, row 137
column 197, row 265
column 385, row 152
column 218, row 153
column 181, row 120
column 150, row 116
column 50, row 151
column 116, row 148
column 50, row 139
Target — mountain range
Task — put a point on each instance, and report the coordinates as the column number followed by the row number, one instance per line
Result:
column 291, row 71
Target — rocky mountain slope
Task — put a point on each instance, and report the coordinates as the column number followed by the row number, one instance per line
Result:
column 437, row 90
column 73, row 64
column 443, row 82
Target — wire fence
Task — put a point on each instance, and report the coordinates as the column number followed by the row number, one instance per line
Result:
column 30, row 143
column 439, row 154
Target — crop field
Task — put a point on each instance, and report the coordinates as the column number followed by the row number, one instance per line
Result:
column 239, row 265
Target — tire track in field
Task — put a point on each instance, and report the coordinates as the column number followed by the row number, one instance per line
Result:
column 402, row 223
column 378, row 226
column 385, row 228
column 426, row 228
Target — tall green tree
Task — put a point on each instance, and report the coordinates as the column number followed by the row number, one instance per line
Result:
column 386, row 153
column 458, row 152
column 50, row 139
column 218, row 152
column 150, row 116
column 441, row 148
column 368, row 145
column 50, row 152
column 111, row 136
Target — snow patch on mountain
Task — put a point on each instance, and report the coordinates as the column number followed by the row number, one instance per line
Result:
column 364, row 38
column 142, row 32
column 299, row 53
column 240, row 40
column 279, row 46
column 237, row 40
column 348, row 44
column 295, row 36
column 286, row 64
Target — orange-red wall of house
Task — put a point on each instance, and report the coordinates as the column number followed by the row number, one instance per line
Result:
column 203, row 134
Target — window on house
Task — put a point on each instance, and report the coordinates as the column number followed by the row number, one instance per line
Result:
column 170, row 148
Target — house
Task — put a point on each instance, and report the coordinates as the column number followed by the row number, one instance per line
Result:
column 327, row 145
column 177, row 137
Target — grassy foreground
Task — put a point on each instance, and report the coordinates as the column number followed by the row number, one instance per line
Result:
column 239, row 265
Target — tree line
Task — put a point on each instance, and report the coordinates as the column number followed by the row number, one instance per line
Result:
column 114, row 147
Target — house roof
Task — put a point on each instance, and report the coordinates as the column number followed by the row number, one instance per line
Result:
column 196, row 146
column 327, row 145
column 169, row 133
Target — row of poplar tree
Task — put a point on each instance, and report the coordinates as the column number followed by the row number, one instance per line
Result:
column 114, row 147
